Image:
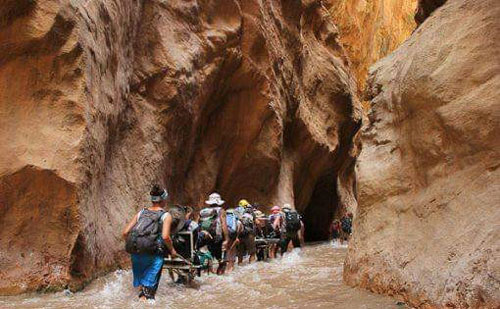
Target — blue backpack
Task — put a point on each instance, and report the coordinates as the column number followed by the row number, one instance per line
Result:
column 232, row 223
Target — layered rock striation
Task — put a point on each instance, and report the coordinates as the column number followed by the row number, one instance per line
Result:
column 427, row 222
column 100, row 99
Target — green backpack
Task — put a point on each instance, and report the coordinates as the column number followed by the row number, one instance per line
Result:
column 209, row 220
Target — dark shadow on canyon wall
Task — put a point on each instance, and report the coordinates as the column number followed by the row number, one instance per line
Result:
column 322, row 207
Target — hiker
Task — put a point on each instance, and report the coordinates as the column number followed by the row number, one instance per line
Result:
column 191, row 224
column 148, row 237
column 203, row 255
column 214, row 228
column 182, row 244
column 335, row 229
column 292, row 229
column 234, row 227
column 241, row 208
column 346, row 224
column 260, row 235
column 247, row 236
column 264, row 234
column 275, row 220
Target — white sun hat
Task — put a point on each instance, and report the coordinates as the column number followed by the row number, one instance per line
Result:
column 214, row 198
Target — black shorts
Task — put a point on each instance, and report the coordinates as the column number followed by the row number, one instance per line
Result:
column 215, row 247
column 286, row 240
column 247, row 245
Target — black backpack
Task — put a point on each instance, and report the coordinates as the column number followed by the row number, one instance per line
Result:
column 267, row 231
column 292, row 221
column 145, row 236
column 346, row 225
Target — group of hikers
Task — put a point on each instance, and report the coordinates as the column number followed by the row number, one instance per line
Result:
column 221, row 235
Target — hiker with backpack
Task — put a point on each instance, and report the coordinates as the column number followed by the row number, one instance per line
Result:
column 263, row 226
column 234, row 227
column 335, row 229
column 214, row 230
column 275, row 218
column 246, row 245
column 241, row 208
column 148, row 240
column 182, row 244
column 292, row 229
column 346, row 224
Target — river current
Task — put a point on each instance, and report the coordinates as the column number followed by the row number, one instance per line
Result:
column 311, row 278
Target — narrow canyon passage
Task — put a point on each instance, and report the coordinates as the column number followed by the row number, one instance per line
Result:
column 322, row 207
column 311, row 278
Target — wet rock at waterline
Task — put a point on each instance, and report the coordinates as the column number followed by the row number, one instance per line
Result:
column 99, row 99
column 427, row 225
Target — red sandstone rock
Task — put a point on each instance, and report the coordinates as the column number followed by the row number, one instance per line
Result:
column 100, row 99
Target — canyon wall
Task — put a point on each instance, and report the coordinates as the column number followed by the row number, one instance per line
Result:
column 371, row 29
column 98, row 100
column 429, row 184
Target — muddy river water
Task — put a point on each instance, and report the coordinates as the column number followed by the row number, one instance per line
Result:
column 311, row 278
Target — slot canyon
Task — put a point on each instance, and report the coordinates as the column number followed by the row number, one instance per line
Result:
column 386, row 109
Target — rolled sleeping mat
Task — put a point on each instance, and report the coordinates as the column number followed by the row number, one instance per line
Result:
column 261, row 242
column 272, row 240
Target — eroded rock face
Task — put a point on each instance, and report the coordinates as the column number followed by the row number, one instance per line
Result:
column 427, row 222
column 371, row 29
column 100, row 99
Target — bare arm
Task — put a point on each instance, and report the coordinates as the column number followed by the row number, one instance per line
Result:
column 277, row 223
column 239, row 228
column 165, row 234
column 129, row 226
column 225, row 230
column 301, row 234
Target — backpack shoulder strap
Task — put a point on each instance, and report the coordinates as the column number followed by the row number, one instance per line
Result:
column 156, row 215
column 140, row 213
column 160, row 213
